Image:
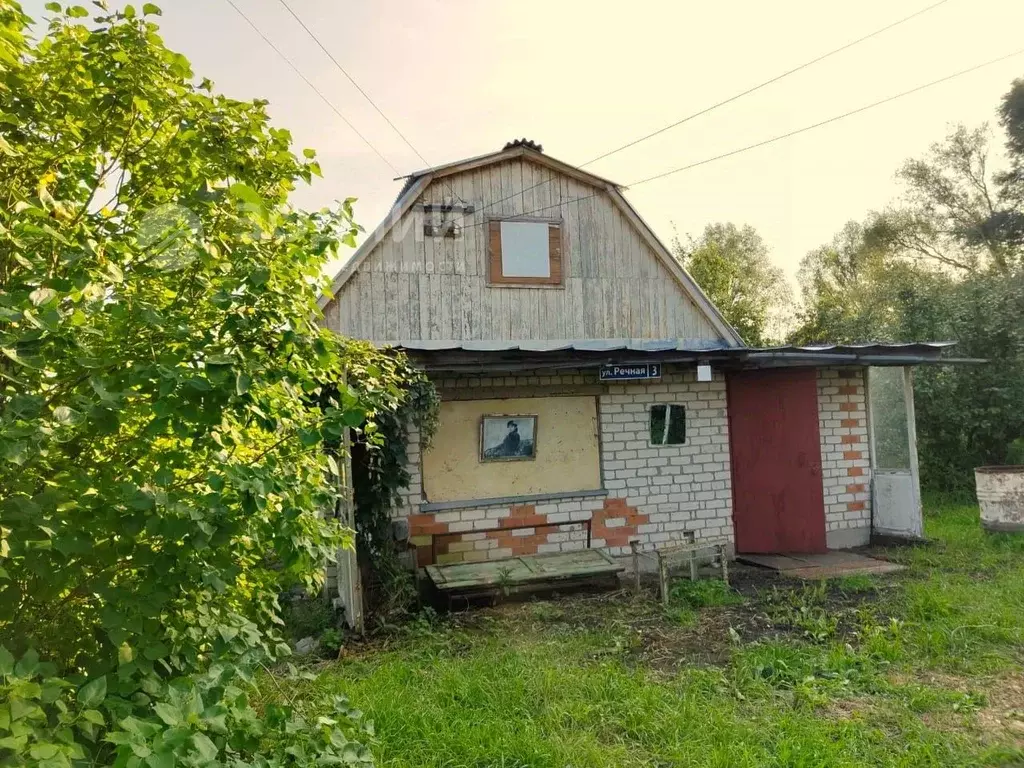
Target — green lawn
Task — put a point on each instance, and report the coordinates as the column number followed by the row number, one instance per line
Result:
column 918, row 668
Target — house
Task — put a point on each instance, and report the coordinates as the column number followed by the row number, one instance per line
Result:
column 591, row 393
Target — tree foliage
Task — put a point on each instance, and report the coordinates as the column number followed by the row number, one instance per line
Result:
column 732, row 266
column 165, row 397
column 946, row 262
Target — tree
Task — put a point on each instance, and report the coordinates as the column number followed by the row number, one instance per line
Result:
column 855, row 289
column 732, row 266
column 945, row 262
column 1010, row 224
column 955, row 211
column 166, row 396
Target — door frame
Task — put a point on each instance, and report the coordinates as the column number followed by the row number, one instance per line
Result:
column 730, row 413
column 915, row 470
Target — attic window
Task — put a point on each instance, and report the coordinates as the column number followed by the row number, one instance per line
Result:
column 525, row 252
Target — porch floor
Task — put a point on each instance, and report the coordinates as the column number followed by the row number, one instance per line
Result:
column 821, row 566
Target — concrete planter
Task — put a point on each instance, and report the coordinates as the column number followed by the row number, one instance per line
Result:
column 1001, row 497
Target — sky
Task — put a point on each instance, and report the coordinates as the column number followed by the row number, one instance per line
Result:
column 462, row 77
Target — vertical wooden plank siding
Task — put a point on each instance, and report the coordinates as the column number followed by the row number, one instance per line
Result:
column 414, row 287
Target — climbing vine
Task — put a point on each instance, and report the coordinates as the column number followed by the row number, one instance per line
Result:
column 402, row 399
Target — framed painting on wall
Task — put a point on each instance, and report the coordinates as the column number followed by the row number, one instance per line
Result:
column 508, row 438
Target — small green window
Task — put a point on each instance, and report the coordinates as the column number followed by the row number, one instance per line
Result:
column 668, row 425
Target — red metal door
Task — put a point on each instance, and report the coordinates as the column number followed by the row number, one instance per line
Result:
column 778, row 504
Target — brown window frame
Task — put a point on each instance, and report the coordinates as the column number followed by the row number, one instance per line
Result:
column 556, row 250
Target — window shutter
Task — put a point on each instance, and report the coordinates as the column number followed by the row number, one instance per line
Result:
column 494, row 251
column 555, row 252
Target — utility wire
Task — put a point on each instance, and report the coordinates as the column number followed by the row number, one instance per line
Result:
column 740, row 95
column 310, row 83
column 768, row 82
column 366, row 96
column 780, row 137
column 358, row 87
column 832, row 119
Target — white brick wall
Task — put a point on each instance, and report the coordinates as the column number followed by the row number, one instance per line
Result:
column 679, row 487
column 412, row 496
column 656, row 493
column 845, row 455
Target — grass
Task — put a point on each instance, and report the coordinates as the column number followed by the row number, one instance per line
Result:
column 918, row 668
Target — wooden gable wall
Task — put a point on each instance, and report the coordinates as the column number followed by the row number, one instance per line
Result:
column 416, row 287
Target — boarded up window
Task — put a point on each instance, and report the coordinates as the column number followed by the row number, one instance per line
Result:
column 668, row 425
column 525, row 252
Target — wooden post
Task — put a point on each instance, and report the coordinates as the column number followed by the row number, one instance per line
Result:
column 663, row 578
column 636, row 566
column 915, row 470
column 349, row 581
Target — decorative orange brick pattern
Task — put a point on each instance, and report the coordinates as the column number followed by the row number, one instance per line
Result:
column 522, row 532
column 842, row 412
column 616, row 522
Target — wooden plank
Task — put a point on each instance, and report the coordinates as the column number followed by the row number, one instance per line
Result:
column 587, row 243
column 429, row 308
column 463, row 183
column 511, row 204
column 412, row 310
column 528, row 569
column 574, row 314
column 542, row 193
column 440, row 298
column 423, row 281
column 377, row 309
column 394, row 306
column 530, row 174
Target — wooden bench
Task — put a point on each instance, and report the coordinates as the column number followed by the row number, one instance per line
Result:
column 526, row 572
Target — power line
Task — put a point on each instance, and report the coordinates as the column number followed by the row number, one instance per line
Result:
column 366, row 96
column 740, row 95
column 310, row 83
column 359, row 88
column 768, row 82
column 832, row 119
column 773, row 139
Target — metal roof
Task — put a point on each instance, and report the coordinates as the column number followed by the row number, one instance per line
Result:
column 567, row 345
column 442, row 355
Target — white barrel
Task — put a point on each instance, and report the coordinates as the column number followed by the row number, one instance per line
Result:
column 1001, row 497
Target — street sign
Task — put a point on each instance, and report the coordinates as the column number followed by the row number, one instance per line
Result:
column 636, row 372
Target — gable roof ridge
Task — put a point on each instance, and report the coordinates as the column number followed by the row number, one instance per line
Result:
column 509, row 153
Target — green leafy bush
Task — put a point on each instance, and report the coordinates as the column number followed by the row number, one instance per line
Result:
column 307, row 617
column 166, row 397
column 211, row 719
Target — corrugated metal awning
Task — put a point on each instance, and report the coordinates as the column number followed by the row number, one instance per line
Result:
column 441, row 355
column 565, row 345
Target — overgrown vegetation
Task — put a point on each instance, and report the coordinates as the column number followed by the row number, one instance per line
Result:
column 945, row 262
column 380, row 474
column 166, row 396
column 917, row 668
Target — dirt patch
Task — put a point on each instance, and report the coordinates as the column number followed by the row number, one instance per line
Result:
column 1001, row 718
column 847, row 709
column 1005, row 710
column 642, row 633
